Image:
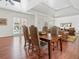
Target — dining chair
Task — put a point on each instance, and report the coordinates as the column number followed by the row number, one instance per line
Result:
column 45, row 29
column 54, row 35
column 27, row 43
column 35, row 39
column 64, row 34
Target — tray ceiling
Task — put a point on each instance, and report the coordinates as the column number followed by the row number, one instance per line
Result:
column 58, row 8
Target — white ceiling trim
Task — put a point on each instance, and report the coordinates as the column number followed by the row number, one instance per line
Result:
column 63, row 8
column 73, row 5
column 48, row 6
column 39, row 13
column 66, row 15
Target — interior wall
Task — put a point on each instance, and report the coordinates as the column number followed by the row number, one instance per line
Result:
column 7, row 30
column 9, row 15
column 71, row 19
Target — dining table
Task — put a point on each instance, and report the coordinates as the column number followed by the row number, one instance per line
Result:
column 48, row 40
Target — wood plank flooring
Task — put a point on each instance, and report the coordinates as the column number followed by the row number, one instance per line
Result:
column 13, row 48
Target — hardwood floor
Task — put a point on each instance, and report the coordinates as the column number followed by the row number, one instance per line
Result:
column 13, row 48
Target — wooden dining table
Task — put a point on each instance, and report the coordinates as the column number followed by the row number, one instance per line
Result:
column 45, row 38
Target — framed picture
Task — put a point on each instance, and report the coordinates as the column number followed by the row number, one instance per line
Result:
column 3, row 21
column 66, row 24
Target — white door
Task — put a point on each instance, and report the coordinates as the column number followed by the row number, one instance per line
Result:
column 17, row 25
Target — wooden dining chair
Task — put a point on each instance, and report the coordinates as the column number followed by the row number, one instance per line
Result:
column 35, row 39
column 64, row 34
column 45, row 29
column 54, row 35
column 26, row 37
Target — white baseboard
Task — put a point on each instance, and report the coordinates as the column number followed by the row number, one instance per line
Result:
column 6, row 36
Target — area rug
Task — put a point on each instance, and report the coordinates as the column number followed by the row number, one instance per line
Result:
column 71, row 38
